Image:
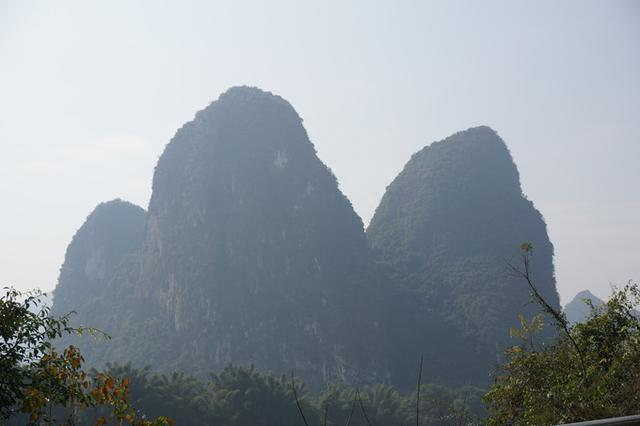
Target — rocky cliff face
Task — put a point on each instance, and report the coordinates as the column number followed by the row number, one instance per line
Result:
column 250, row 254
column 443, row 230
column 91, row 283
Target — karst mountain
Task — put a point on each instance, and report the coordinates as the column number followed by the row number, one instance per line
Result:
column 448, row 231
column 249, row 253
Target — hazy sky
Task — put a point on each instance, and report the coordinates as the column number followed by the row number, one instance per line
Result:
column 91, row 91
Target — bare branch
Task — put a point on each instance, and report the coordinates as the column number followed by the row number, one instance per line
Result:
column 295, row 394
column 353, row 407
column 326, row 410
column 364, row 413
column 558, row 316
column 418, row 393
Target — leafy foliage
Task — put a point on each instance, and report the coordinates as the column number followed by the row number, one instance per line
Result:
column 592, row 371
column 242, row 396
column 40, row 384
column 384, row 405
column 26, row 332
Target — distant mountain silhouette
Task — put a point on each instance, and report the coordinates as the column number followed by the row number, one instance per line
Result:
column 578, row 309
column 111, row 234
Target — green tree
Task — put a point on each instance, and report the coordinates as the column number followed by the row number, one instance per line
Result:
column 248, row 397
column 36, row 380
column 26, row 352
column 591, row 371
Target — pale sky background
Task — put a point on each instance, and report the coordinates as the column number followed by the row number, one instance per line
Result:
column 91, row 91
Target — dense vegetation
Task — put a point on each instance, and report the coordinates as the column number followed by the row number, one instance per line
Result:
column 240, row 396
column 592, row 371
column 39, row 384
column 444, row 231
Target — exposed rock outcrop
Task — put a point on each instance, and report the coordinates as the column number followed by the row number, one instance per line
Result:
column 251, row 254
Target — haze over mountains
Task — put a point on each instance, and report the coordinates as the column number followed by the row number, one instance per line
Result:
column 249, row 253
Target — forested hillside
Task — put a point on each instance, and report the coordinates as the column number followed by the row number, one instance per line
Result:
column 445, row 231
column 104, row 245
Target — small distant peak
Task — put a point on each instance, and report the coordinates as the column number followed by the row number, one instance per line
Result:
column 577, row 310
column 586, row 294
